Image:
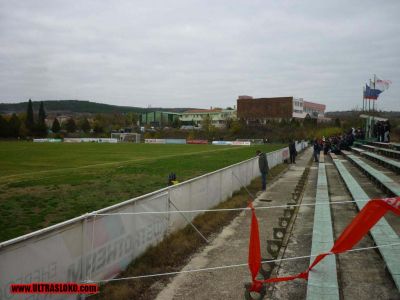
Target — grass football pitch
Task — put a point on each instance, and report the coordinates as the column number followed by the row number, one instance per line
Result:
column 45, row 183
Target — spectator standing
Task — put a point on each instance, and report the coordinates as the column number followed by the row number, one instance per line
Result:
column 264, row 168
column 292, row 152
column 317, row 149
column 327, row 146
column 386, row 137
column 381, row 132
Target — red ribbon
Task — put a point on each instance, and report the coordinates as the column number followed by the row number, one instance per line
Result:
column 372, row 212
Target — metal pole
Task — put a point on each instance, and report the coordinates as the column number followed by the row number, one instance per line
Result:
column 363, row 98
column 248, row 192
column 373, row 107
column 187, row 220
column 369, row 102
column 83, row 255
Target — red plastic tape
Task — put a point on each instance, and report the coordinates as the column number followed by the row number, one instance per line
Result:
column 372, row 212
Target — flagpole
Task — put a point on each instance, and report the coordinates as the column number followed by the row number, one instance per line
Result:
column 364, row 102
column 363, row 99
column 369, row 104
column 369, row 100
column 373, row 103
column 373, row 106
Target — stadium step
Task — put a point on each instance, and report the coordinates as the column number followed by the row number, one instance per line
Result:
column 360, row 274
column 386, row 162
column 384, row 151
column 322, row 281
column 394, row 146
column 355, row 149
column 382, row 232
column 379, row 177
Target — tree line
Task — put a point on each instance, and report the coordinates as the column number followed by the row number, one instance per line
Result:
column 31, row 124
column 24, row 125
column 283, row 130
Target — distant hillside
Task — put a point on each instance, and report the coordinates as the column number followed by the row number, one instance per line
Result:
column 78, row 106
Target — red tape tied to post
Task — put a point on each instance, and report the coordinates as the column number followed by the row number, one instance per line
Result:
column 372, row 212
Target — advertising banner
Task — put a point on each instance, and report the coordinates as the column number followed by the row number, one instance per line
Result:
column 196, row 142
column 90, row 140
column 107, row 140
column 154, row 141
column 47, row 140
column 285, row 154
column 232, row 143
column 175, row 141
column 221, row 143
column 95, row 248
column 241, row 143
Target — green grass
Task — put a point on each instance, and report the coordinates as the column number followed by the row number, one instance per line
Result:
column 44, row 184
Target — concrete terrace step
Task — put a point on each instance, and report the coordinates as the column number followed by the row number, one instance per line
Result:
column 384, row 151
column 387, row 162
column 382, row 232
column 355, row 149
column 378, row 176
column 322, row 281
column 394, row 146
column 321, row 157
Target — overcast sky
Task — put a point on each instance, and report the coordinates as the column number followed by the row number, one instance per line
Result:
column 198, row 53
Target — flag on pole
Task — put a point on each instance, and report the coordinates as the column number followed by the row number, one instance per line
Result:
column 381, row 84
column 370, row 93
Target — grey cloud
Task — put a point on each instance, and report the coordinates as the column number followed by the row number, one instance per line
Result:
column 197, row 53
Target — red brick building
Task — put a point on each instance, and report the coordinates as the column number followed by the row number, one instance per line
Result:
column 258, row 110
column 314, row 109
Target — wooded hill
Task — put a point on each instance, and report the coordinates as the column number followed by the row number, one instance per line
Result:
column 78, row 106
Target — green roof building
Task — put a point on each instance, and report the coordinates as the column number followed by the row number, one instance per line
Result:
column 159, row 118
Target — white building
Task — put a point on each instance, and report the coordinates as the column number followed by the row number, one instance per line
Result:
column 303, row 108
column 218, row 116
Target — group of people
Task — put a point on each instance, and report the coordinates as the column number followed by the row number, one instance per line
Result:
column 336, row 143
column 358, row 133
column 333, row 144
column 381, row 131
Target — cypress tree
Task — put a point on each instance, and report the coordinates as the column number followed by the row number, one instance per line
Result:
column 70, row 125
column 42, row 113
column 30, row 123
column 56, row 126
column 41, row 128
column 14, row 124
column 85, row 126
column 3, row 127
